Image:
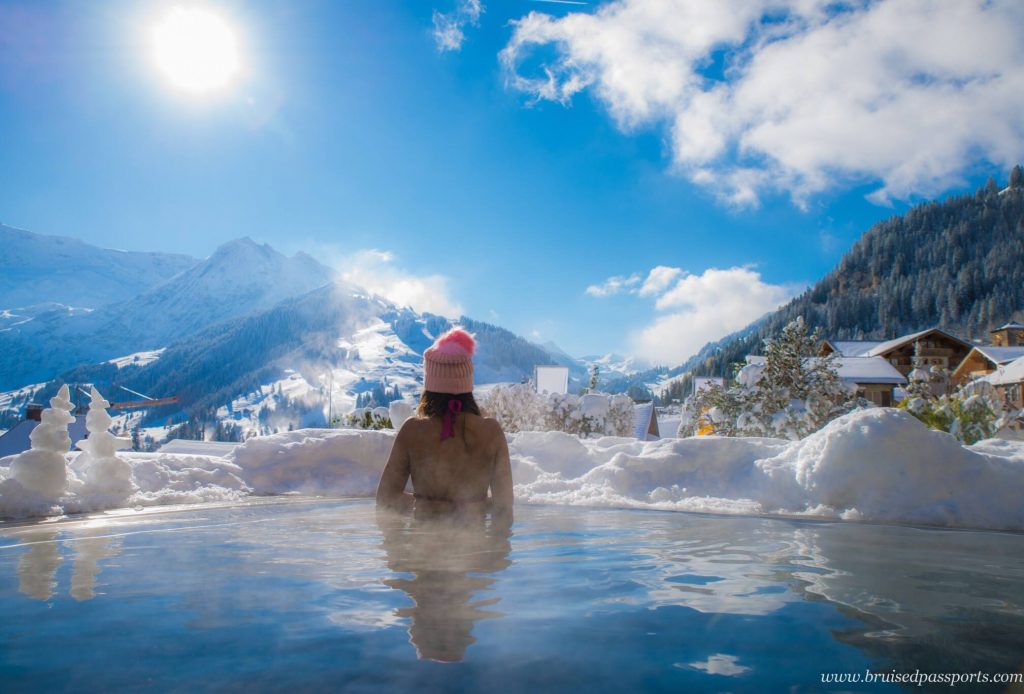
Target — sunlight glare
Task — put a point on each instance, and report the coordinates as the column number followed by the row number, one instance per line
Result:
column 195, row 49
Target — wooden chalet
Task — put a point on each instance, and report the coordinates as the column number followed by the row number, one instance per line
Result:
column 1008, row 380
column 983, row 360
column 1009, row 335
column 938, row 348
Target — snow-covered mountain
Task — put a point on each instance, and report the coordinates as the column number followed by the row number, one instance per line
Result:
column 36, row 269
column 247, row 334
column 305, row 358
column 239, row 278
column 612, row 364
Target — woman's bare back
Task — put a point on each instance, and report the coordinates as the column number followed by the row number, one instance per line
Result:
column 456, row 471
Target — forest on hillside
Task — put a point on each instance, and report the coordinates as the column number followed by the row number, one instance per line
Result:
column 956, row 265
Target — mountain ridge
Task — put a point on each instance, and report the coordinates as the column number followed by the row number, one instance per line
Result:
column 240, row 277
column 42, row 269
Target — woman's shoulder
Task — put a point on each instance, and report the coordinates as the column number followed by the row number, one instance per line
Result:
column 485, row 424
column 413, row 426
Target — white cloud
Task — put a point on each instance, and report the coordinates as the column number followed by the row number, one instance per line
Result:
column 908, row 94
column 614, row 285
column 376, row 272
column 658, row 280
column 449, row 27
column 697, row 309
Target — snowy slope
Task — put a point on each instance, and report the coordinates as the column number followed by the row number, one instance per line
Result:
column 37, row 269
column 239, row 278
column 274, row 368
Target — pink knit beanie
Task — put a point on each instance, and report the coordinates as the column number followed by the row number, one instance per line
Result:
column 448, row 364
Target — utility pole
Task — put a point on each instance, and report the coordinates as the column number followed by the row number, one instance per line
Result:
column 330, row 403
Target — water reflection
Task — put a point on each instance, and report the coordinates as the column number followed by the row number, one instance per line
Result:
column 91, row 548
column 37, row 568
column 906, row 597
column 41, row 558
column 449, row 561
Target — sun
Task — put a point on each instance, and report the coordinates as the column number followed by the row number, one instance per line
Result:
column 196, row 49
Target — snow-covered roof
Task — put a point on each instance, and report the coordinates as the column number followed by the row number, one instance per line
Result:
column 853, row 348
column 889, row 345
column 1001, row 355
column 17, row 439
column 1010, row 326
column 868, row 370
column 1010, row 373
column 642, row 414
column 855, row 369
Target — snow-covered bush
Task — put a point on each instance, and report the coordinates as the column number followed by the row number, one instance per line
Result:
column 790, row 394
column 516, row 407
column 519, row 408
column 375, row 418
column 972, row 413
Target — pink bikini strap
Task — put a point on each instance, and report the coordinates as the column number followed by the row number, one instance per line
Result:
column 448, row 425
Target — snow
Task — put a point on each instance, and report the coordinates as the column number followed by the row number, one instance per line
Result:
column 189, row 447
column 105, row 472
column 1007, row 374
column 868, row 370
column 42, row 469
column 398, row 412
column 1001, row 355
column 878, row 464
column 849, row 369
column 137, row 358
column 371, row 355
column 854, row 348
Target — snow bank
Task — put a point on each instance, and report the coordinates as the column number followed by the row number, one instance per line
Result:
column 158, row 479
column 878, row 464
column 315, row 461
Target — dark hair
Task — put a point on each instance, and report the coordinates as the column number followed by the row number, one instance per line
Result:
column 436, row 404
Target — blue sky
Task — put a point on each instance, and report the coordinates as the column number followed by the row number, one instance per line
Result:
column 532, row 170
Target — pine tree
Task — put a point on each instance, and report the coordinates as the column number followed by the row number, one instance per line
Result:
column 1017, row 177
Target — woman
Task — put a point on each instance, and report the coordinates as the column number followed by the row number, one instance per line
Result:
column 452, row 453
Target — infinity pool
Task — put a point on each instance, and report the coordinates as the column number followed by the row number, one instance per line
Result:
column 310, row 594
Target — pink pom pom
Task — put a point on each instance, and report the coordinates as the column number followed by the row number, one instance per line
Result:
column 456, row 341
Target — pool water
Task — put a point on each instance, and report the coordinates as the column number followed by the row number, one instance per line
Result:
column 326, row 595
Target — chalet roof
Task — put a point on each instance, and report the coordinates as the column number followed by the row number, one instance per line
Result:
column 863, row 370
column 898, row 342
column 853, row 348
column 642, row 414
column 868, row 370
column 1000, row 355
column 16, row 439
column 1007, row 374
column 1010, row 326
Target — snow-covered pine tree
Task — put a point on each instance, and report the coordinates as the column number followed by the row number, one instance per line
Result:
column 792, row 393
column 594, row 373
